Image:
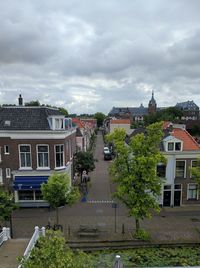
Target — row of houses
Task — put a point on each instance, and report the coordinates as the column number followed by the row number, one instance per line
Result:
column 34, row 143
column 181, row 151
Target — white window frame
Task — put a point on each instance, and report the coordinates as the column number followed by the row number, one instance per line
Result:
column 1, row 176
column 60, row 123
column 184, row 169
column 47, row 167
column 25, row 168
column 174, row 146
column 5, row 150
column 63, row 156
column 30, row 200
column 8, row 173
column 188, row 191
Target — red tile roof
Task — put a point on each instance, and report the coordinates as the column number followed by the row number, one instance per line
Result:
column 77, row 122
column 120, row 121
column 189, row 144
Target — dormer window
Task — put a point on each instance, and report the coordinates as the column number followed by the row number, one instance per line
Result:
column 170, row 146
column 56, row 122
column 174, row 146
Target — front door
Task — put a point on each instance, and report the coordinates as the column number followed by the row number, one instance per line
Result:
column 177, row 198
column 167, row 198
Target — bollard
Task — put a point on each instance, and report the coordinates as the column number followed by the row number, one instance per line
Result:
column 43, row 231
column 123, row 229
column 69, row 231
column 118, row 263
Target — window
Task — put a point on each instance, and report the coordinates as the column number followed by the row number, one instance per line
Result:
column 161, row 169
column 59, row 155
column 193, row 164
column 6, row 149
column 25, row 156
column 43, row 156
column 170, row 146
column 192, row 192
column 167, row 187
column 0, row 155
column 180, row 169
column 8, row 173
column 38, row 195
column 26, row 195
column 1, row 176
column 29, row 195
column 177, row 146
column 174, row 146
column 58, row 123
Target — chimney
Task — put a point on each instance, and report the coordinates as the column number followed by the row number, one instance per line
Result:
column 20, row 100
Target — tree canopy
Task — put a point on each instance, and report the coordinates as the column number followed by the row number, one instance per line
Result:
column 169, row 114
column 58, row 192
column 51, row 251
column 84, row 161
column 134, row 170
column 63, row 111
column 100, row 118
column 7, row 205
column 32, row 103
column 196, row 172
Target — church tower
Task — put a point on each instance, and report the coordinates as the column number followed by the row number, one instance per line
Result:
column 152, row 105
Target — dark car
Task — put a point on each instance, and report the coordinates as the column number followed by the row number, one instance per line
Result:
column 107, row 156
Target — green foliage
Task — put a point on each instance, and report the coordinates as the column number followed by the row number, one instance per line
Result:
column 84, row 161
column 51, row 252
column 134, row 170
column 100, row 118
column 7, row 205
column 195, row 130
column 32, row 103
column 63, row 111
column 57, row 191
column 150, row 257
column 196, row 172
column 169, row 114
column 142, row 235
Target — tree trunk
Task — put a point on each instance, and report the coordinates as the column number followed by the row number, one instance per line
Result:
column 137, row 225
column 57, row 219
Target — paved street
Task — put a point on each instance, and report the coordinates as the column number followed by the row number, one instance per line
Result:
column 173, row 224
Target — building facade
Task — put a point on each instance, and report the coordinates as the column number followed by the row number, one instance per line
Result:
column 181, row 152
column 34, row 143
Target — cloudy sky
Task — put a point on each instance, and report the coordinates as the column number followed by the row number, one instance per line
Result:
column 91, row 55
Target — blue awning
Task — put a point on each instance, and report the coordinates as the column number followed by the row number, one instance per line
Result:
column 29, row 182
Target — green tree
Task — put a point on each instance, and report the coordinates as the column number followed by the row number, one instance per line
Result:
column 57, row 192
column 196, row 172
column 51, row 251
column 32, row 103
column 7, row 206
column 100, row 118
column 63, row 111
column 84, row 161
column 134, row 170
column 172, row 114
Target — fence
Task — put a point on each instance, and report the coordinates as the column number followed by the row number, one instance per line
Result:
column 4, row 235
column 37, row 233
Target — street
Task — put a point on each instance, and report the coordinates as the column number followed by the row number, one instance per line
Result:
column 171, row 224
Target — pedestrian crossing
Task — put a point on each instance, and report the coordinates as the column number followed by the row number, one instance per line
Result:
column 100, row 201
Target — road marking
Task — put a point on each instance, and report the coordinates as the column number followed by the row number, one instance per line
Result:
column 100, row 201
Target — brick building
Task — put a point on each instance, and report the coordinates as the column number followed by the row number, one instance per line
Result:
column 34, row 143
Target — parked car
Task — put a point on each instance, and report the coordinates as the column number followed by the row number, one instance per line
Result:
column 106, row 150
column 107, row 156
